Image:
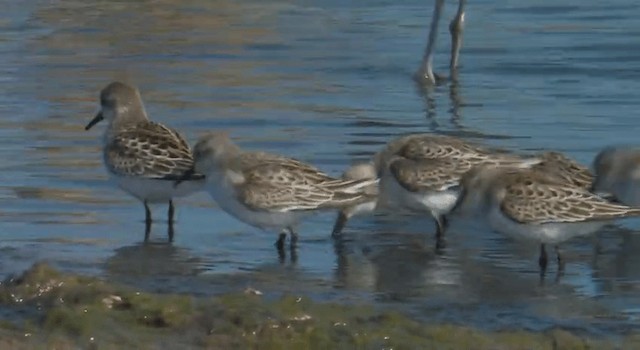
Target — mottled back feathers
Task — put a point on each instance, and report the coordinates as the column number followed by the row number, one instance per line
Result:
column 534, row 197
column 148, row 149
column 275, row 183
column 427, row 162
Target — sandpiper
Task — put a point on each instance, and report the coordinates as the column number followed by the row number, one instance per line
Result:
column 618, row 173
column 564, row 168
column 143, row 157
column 421, row 172
column 270, row 191
column 360, row 171
column 530, row 204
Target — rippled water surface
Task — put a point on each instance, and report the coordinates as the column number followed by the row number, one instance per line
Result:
column 327, row 82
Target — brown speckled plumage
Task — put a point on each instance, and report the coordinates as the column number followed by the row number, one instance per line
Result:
column 565, row 168
column 144, row 158
column 529, row 196
column 434, row 162
column 148, row 149
column 247, row 183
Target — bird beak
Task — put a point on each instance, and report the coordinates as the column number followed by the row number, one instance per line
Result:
column 186, row 176
column 94, row 121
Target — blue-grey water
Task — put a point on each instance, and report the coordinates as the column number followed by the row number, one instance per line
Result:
column 328, row 82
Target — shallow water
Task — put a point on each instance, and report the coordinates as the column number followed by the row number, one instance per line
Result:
column 328, row 83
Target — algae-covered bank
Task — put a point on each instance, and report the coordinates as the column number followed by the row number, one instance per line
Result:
column 44, row 308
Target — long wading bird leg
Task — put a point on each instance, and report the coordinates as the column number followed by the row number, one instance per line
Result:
column 456, row 27
column 293, row 240
column 171, row 214
column 147, row 221
column 425, row 72
column 341, row 220
column 560, row 260
column 543, row 259
column 280, row 242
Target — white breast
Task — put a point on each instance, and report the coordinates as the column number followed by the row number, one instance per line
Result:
column 222, row 190
column 154, row 191
column 550, row 233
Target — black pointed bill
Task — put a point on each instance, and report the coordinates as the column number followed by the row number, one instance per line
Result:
column 94, row 121
column 188, row 175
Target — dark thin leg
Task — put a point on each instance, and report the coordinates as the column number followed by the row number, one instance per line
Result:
column 281, row 255
column 440, row 245
column 293, row 241
column 425, row 72
column 341, row 220
column 147, row 221
column 441, row 226
column 170, row 222
column 543, row 259
column 292, row 244
column 280, row 242
column 172, row 211
column 280, row 246
column 456, row 28
column 294, row 255
column 560, row 260
column 170, row 233
column 147, row 232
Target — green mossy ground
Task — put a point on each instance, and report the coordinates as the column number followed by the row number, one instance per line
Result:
column 55, row 310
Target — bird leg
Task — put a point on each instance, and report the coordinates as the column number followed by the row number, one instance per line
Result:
column 425, row 72
column 170, row 233
column 341, row 220
column 441, row 225
column 292, row 244
column 543, row 259
column 560, row 260
column 147, row 221
column 170, row 222
column 456, row 28
column 280, row 242
column 171, row 212
column 293, row 240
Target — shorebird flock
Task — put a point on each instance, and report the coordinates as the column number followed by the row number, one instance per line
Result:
column 546, row 197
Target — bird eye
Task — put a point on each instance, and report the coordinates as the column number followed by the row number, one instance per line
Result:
column 106, row 102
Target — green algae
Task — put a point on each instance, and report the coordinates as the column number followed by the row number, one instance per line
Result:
column 70, row 311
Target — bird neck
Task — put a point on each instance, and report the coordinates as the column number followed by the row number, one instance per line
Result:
column 127, row 116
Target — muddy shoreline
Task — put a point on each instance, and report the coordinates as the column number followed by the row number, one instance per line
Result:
column 45, row 308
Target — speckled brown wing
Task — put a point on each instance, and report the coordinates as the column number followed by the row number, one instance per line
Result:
column 251, row 159
column 149, row 150
column 539, row 199
column 426, row 146
column 428, row 175
column 285, row 186
column 430, row 146
column 565, row 168
column 438, row 147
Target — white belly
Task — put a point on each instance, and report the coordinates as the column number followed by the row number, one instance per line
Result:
column 225, row 196
column 440, row 202
column 362, row 208
column 156, row 190
column 435, row 202
column 550, row 233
